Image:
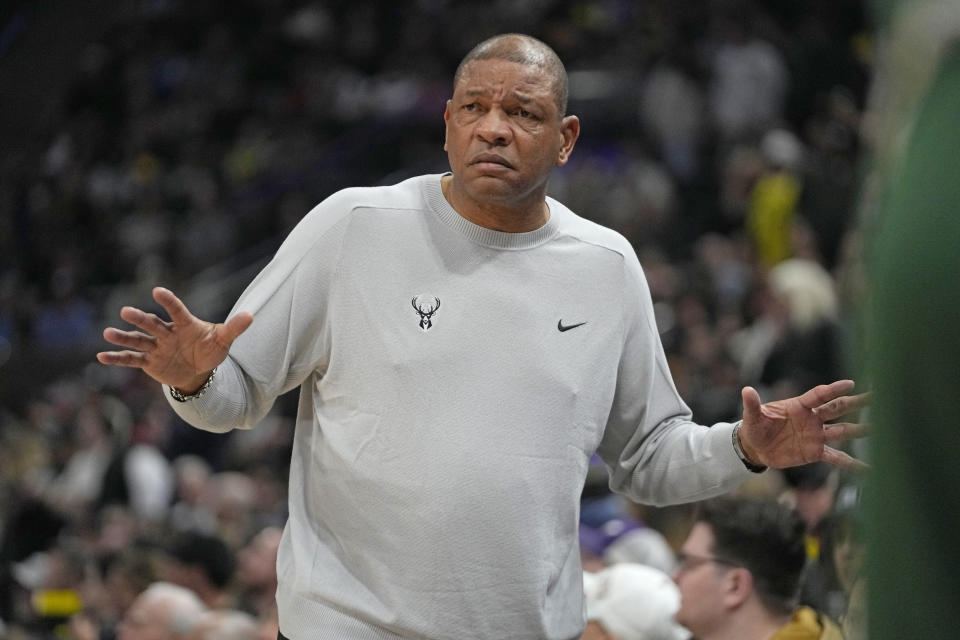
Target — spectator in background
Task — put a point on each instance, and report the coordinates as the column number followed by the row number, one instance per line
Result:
column 205, row 565
column 190, row 511
column 672, row 109
column 749, row 77
column 612, row 531
column 125, row 575
column 631, row 602
column 774, row 198
column 80, row 481
column 811, row 493
column 66, row 321
column 225, row 624
column 808, row 344
column 231, row 496
column 740, row 573
column 849, row 559
column 794, row 337
column 256, row 578
column 163, row 612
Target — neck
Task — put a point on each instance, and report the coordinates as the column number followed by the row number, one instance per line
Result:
column 757, row 625
column 528, row 215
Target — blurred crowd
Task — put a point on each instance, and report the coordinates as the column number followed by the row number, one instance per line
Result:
column 721, row 137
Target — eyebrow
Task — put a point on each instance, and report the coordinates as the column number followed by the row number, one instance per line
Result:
column 520, row 97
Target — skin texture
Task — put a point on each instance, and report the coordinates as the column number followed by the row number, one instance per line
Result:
column 504, row 135
column 791, row 432
column 700, row 582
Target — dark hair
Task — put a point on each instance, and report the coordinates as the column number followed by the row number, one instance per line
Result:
column 810, row 477
column 208, row 552
column 526, row 50
column 767, row 539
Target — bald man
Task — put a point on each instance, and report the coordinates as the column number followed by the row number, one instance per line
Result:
column 463, row 345
column 163, row 611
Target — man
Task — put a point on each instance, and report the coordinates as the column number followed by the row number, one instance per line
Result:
column 463, row 344
column 256, row 574
column 204, row 564
column 740, row 572
column 162, row 612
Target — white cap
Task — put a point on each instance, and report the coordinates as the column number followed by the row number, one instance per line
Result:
column 641, row 546
column 634, row 602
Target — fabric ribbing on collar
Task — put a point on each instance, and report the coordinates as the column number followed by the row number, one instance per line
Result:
column 481, row 235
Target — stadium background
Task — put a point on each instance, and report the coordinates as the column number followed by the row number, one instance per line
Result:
column 175, row 143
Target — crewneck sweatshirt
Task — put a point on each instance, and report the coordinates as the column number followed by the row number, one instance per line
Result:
column 454, row 383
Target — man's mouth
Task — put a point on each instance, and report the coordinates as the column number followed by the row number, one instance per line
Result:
column 490, row 158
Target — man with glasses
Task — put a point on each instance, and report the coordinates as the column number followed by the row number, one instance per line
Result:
column 739, row 575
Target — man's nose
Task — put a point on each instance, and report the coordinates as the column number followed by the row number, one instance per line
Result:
column 494, row 128
column 675, row 574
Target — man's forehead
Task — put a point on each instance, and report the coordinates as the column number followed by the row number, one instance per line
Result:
column 480, row 77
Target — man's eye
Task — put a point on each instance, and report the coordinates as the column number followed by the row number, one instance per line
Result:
column 470, row 107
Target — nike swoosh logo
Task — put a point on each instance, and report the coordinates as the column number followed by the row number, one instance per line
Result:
column 566, row 327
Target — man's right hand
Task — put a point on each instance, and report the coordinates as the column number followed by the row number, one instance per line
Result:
column 180, row 353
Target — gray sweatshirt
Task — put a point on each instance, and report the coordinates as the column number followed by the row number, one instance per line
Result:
column 454, row 383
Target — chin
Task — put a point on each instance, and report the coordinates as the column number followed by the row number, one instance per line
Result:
column 491, row 188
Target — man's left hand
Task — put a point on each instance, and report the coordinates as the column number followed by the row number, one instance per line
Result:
column 792, row 432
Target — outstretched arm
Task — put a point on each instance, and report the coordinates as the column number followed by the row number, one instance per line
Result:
column 180, row 353
column 792, row 432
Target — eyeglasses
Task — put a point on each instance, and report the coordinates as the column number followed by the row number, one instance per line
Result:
column 687, row 562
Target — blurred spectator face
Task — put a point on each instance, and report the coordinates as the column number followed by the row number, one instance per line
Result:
column 258, row 560
column 118, row 529
column 813, row 505
column 162, row 612
column 813, row 493
column 147, row 619
column 504, row 134
column 192, row 476
column 849, row 554
column 700, row 579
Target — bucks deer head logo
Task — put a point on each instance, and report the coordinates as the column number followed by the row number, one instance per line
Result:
column 426, row 306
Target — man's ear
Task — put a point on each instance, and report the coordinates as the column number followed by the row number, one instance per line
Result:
column 446, row 124
column 737, row 587
column 570, row 131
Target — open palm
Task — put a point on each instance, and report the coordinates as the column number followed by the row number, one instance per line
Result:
column 792, row 432
column 180, row 352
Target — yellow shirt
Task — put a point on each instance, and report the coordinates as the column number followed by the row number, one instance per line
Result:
column 807, row 624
